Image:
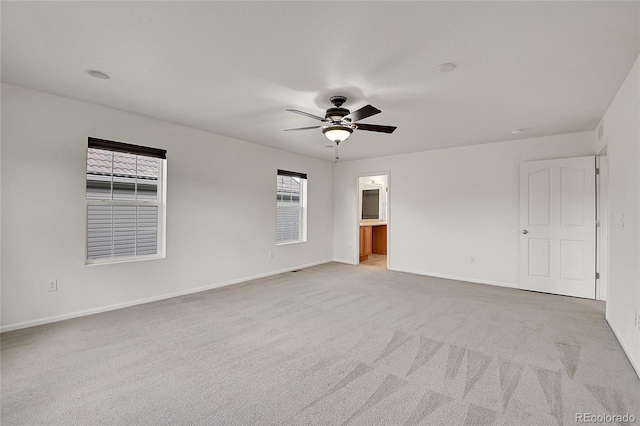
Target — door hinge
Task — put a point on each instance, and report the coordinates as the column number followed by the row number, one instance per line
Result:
column 597, row 223
column 597, row 275
column 597, row 171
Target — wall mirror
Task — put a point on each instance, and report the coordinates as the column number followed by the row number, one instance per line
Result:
column 371, row 204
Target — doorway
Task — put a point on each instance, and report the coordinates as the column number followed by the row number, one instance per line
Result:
column 373, row 220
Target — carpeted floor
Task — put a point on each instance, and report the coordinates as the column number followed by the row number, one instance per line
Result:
column 328, row 345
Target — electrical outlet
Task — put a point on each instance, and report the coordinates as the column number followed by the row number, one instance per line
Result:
column 272, row 254
column 473, row 259
column 53, row 285
column 622, row 220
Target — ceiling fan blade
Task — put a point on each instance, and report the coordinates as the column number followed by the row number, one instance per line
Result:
column 362, row 113
column 303, row 128
column 376, row 128
column 297, row 111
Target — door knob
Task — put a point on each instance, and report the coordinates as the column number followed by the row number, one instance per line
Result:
column 524, row 231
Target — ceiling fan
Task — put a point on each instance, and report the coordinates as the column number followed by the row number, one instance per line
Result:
column 339, row 123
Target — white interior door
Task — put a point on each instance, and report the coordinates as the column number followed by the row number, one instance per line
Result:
column 558, row 226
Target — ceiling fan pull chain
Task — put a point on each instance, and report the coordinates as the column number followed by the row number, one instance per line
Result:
column 337, row 153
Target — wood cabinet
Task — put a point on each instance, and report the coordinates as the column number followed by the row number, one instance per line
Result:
column 379, row 239
column 373, row 239
column 366, row 242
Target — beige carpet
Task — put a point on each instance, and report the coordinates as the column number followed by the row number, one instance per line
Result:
column 328, row 345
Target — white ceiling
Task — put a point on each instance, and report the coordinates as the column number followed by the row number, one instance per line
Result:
column 233, row 67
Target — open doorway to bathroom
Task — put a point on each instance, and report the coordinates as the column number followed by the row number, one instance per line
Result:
column 373, row 220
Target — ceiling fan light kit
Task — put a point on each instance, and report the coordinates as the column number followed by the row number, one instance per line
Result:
column 337, row 134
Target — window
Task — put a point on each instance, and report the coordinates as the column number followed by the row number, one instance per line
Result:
column 291, row 207
column 125, row 202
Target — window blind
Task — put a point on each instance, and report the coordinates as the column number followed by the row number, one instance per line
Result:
column 292, row 174
column 127, row 148
column 121, row 230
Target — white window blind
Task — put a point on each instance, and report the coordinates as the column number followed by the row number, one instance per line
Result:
column 290, row 207
column 124, row 204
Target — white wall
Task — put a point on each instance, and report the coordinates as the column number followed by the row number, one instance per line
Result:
column 622, row 140
column 448, row 205
column 220, row 211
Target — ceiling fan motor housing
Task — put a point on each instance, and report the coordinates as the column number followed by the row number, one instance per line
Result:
column 336, row 114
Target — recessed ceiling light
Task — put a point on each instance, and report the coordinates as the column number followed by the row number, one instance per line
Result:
column 99, row 74
column 448, row 67
column 516, row 131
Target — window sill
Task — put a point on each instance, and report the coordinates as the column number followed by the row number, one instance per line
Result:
column 286, row 243
column 114, row 260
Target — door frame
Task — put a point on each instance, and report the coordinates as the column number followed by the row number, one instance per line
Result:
column 356, row 223
column 604, row 223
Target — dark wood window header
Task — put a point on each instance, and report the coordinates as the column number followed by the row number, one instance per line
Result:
column 128, row 148
column 292, row 174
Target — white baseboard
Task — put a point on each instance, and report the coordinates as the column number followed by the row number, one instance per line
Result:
column 627, row 352
column 348, row 262
column 77, row 314
column 457, row 278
